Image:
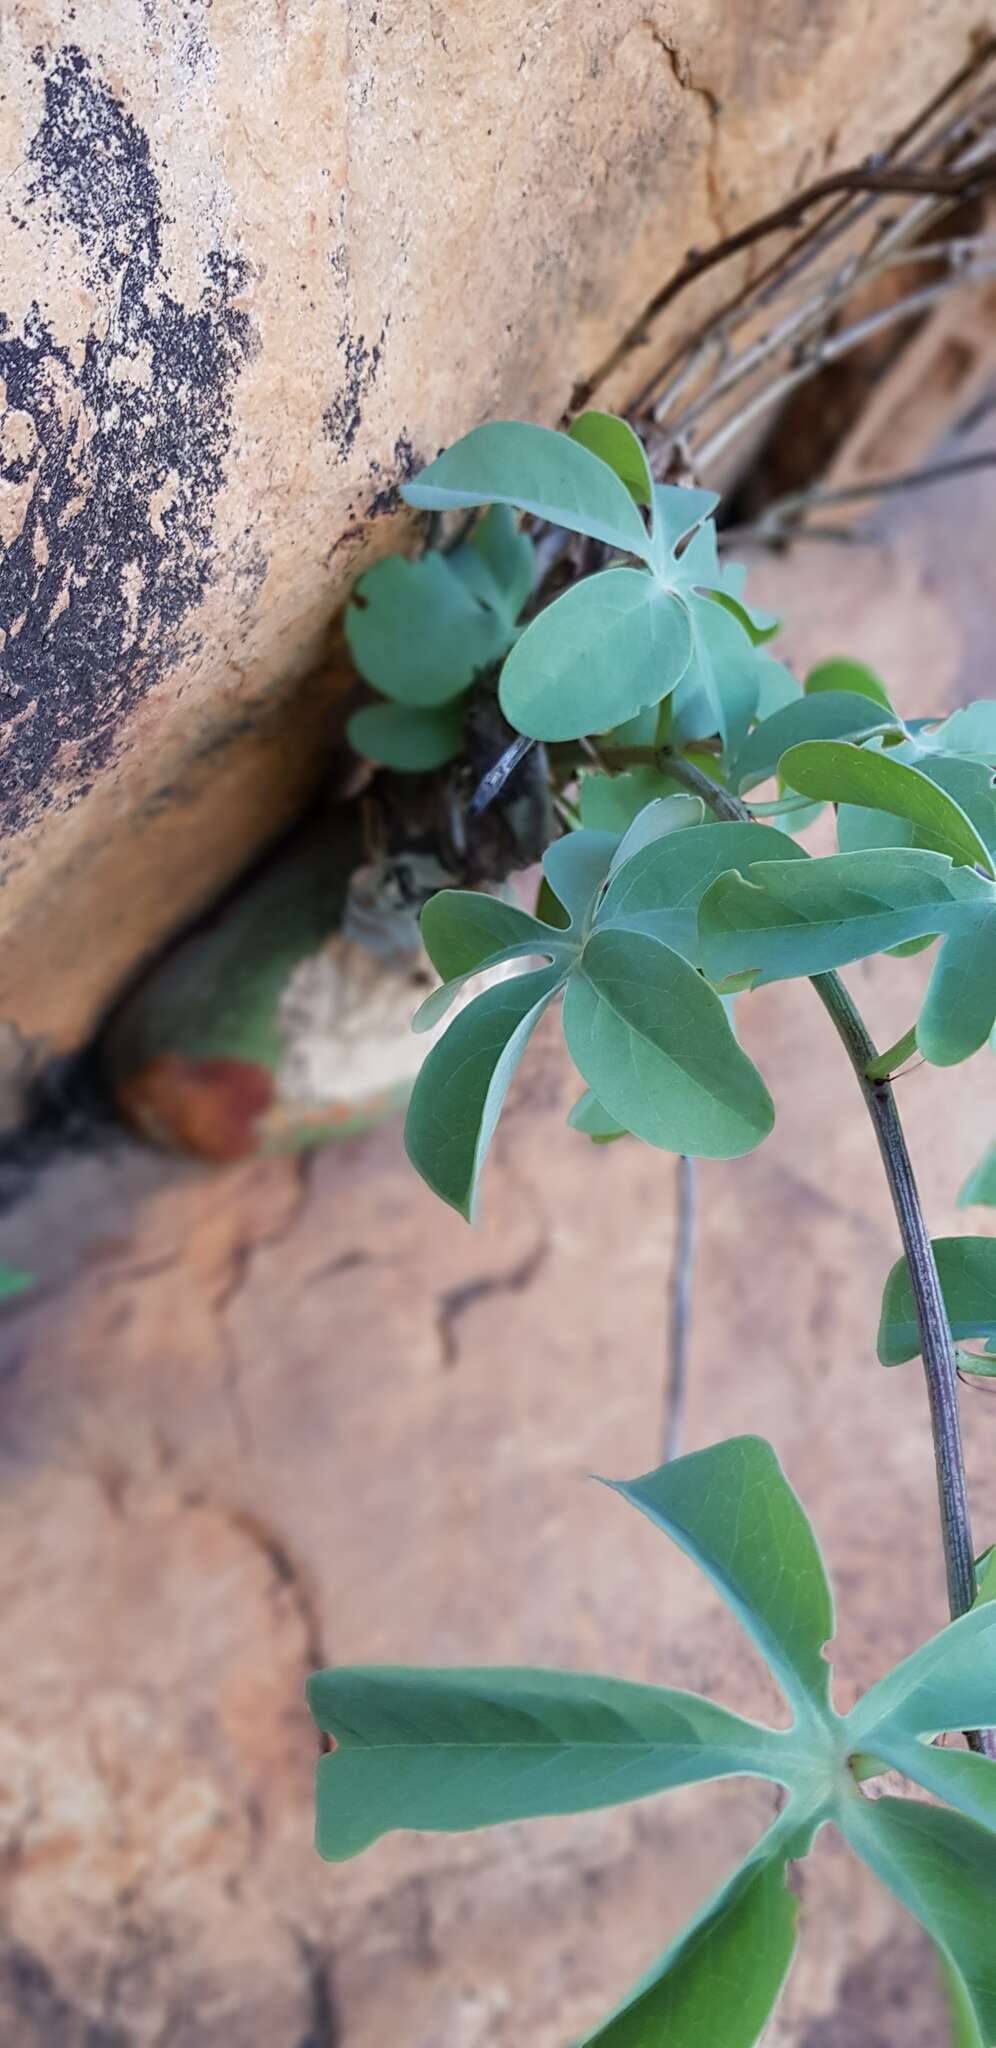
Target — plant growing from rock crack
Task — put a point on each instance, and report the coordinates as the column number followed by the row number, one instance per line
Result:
column 671, row 895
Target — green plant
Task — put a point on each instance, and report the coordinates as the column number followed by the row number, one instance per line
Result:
column 670, row 896
column 465, row 1749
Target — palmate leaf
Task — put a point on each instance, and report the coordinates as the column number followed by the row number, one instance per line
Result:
column 967, row 1270
column 467, row 1748
column 548, row 474
column 651, row 1039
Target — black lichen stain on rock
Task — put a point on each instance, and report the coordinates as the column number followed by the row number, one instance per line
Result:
column 119, row 447
column 361, row 360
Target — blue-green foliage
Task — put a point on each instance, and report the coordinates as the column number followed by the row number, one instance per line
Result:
column 459, row 1749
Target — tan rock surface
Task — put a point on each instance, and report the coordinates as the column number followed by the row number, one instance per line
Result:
column 259, row 258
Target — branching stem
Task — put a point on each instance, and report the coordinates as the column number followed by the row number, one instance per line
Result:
column 936, row 1342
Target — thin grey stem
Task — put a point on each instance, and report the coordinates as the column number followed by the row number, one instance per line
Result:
column 830, row 351
column 936, row 1342
column 680, row 1306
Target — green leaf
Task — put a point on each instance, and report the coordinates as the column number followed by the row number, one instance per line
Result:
column 985, row 1576
column 540, row 471
column 506, row 556
column 652, row 1040
column 465, row 931
column 948, row 1683
column 678, row 509
column 611, row 802
column 15, row 1280
column 719, row 690
column 943, row 1869
column 961, row 2015
column 803, row 917
column 963, row 1780
column 659, row 819
column 852, row 677
column 459, row 1749
column 575, row 867
column 718, row 1983
column 777, row 687
column 830, row 715
column 839, row 773
column 596, row 656
column 400, row 737
column 732, row 1510
column 660, row 889
column 967, row 1270
column 759, row 626
column 959, row 1009
column 418, row 634
column 971, row 730
column 593, row 1121
column 461, row 1088
column 614, row 441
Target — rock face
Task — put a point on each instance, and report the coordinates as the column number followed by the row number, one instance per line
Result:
column 260, row 1418
column 262, row 258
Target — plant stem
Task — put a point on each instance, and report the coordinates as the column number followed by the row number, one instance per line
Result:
column 680, row 1316
column 885, row 1064
column 936, row 1342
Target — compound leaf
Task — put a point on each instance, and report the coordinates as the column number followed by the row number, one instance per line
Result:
column 461, row 1087
column 967, row 1270
column 458, row 1749
column 508, row 462
column 733, row 1511
column 609, row 646
column 959, row 1008
column 614, row 441
column 399, row 736
column 652, row 1040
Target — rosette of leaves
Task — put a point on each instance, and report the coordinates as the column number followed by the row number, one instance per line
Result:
column 649, row 1037
column 663, row 622
column 460, row 1749
column 421, row 632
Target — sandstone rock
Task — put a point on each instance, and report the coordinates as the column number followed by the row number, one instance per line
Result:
column 259, row 261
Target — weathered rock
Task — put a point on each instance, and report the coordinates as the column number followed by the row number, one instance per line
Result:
column 261, row 259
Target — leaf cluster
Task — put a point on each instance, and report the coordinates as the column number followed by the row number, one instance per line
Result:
column 459, row 1749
